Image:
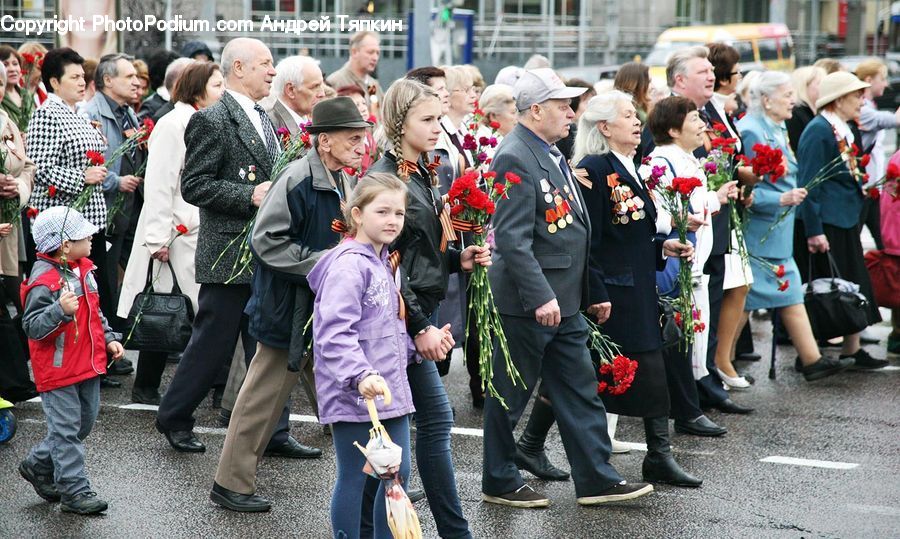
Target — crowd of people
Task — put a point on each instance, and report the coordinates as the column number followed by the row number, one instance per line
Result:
column 356, row 284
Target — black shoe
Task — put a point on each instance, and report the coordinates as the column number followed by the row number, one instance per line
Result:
column 86, row 503
column 118, row 369
column 862, row 361
column 728, row 406
column 224, row 418
column 824, row 367
column 664, row 469
column 145, row 395
column 217, row 395
column 182, row 440
column 126, row 362
column 702, row 426
column 524, row 497
column 416, row 495
column 109, row 383
column 538, row 464
column 43, row 484
column 293, row 449
column 748, row 356
column 798, row 365
column 617, row 493
column 243, row 503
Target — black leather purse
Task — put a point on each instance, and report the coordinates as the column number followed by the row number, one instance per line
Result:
column 159, row 322
column 834, row 305
column 671, row 333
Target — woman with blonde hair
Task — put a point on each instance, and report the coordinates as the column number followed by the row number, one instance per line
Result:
column 806, row 82
column 410, row 113
column 463, row 97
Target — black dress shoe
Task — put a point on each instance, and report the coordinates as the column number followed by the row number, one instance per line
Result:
column 728, row 406
column 538, row 464
column 824, row 367
column 109, row 382
column 862, row 361
column 293, row 449
column 217, row 395
column 145, row 395
column 416, row 495
column 182, row 440
column 748, row 356
column 118, row 369
column 243, row 503
column 224, row 418
column 702, row 426
column 664, row 469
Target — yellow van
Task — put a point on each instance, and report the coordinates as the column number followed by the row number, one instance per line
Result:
column 761, row 46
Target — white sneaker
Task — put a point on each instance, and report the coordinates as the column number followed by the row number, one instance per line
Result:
column 618, row 447
column 738, row 382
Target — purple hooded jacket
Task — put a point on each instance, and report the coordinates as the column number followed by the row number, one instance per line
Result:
column 357, row 332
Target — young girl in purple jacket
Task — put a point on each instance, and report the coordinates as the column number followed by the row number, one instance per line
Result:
column 361, row 344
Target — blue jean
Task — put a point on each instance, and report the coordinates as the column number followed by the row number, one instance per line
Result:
column 70, row 412
column 349, row 489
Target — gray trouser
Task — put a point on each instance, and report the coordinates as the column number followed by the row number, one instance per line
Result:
column 70, row 413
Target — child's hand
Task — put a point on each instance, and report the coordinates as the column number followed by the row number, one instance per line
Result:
column 372, row 386
column 69, row 302
column 115, row 348
column 5, row 229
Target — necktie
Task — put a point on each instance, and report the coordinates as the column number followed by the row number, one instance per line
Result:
column 272, row 147
column 567, row 174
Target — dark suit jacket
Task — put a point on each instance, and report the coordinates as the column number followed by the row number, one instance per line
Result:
column 531, row 266
column 624, row 258
column 281, row 117
column 837, row 201
column 150, row 106
column 222, row 145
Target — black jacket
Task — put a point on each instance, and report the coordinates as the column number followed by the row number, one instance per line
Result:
column 624, row 258
column 426, row 268
column 801, row 116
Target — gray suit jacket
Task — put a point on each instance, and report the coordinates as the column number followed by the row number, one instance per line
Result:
column 531, row 265
column 281, row 117
column 223, row 151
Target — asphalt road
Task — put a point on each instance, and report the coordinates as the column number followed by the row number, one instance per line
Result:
column 850, row 422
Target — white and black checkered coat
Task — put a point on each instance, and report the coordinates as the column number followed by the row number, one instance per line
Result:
column 57, row 142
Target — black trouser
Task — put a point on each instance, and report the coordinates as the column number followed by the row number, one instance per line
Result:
column 217, row 325
column 709, row 388
column 107, row 277
column 870, row 217
column 15, row 383
column 684, row 400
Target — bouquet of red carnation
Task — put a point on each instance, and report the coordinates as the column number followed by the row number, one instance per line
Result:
column 30, row 69
column 889, row 182
column 473, row 198
column 768, row 161
column 295, row 147
column 676, row 200
column 612, row 362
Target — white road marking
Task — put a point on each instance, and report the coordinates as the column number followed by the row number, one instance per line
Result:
column 211, row 430
column 304, row 418
column 875, row 509
column 136, row 406
column 634, row 446
column 811, row 462
column 467, row 431
column 889, row 368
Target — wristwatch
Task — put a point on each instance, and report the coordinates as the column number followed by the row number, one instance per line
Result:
column 424, row 331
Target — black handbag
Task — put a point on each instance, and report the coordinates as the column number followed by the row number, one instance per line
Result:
column 159, row 322
column 668, row 327
column 834, row 305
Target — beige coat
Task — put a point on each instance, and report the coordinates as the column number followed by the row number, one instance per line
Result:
column 22, row 169
column 163, row 211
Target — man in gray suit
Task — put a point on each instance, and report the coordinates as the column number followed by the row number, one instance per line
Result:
column 299, row 85
column 231, row 148
column 540, row 283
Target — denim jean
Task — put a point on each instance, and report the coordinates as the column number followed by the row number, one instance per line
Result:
column 70, row 412
column 349, row 489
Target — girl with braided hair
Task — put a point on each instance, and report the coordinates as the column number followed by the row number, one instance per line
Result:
column 410, row 113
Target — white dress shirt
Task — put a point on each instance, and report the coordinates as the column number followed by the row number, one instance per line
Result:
column 247, row 105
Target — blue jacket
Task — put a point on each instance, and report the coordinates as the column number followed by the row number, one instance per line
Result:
column 838, row 200
column 757, row 129
column 623, row 258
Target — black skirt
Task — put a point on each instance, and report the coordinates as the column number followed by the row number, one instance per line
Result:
column 648, row 395
column 847, row 251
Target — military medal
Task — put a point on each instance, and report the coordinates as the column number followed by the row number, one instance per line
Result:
column 548, row 198
column 551, row 228
column 252, row 175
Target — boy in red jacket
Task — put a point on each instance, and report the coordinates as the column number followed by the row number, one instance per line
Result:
column 69, row 339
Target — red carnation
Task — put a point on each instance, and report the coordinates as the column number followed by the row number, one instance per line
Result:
column 719, row 127
column 622, row 370
column 893, row 171
column 181, row 229
column 783, row 285
column 490, row 175
column 31, row 212
column 779, row 271
column 512, row 178
column 865, row 160
column 685, row 186
column 51, row 191
column 494, row 125
column 854, row 149
column 95, row 158
column 499, row 188
column 874, row 193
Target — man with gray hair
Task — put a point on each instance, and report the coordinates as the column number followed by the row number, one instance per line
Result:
column 117, row 85
column 365, row 50
column 540, row 296
column 298, row 85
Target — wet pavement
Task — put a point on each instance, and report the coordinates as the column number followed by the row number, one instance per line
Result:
column 847, row 427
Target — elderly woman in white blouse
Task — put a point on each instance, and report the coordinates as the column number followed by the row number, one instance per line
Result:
column 167, row 228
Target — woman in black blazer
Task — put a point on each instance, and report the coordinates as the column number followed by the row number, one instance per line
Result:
column 625, row 254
